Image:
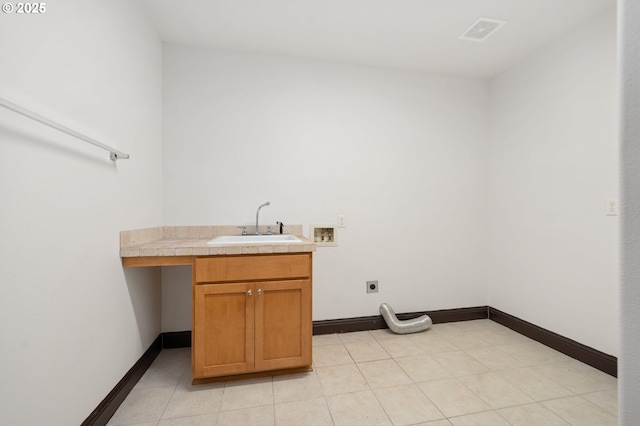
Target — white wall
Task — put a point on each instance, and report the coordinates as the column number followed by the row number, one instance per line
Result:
column 72, row 322
column 400, row 154
column 553, row 253
column 629, row 383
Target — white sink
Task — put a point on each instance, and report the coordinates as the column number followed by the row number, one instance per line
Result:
column 226, row 240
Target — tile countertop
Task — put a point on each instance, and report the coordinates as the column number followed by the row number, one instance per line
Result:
column 167, row 241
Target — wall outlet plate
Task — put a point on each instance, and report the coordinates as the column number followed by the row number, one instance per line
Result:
column 372, row 286
column 612, row 207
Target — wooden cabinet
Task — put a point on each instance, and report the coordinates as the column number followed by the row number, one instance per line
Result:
column 283, row 326
column 251, row 313
column 223, row 330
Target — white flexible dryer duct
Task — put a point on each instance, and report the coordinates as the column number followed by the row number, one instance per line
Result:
column 404, row 327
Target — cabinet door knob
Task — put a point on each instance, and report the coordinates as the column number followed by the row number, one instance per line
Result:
column 249, row 293
column 259, row 291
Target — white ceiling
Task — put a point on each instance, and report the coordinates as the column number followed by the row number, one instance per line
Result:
column 409, row 34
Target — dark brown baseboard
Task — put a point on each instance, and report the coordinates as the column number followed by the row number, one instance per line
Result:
column 182, row 339
column 376, row 322
column 258, row 375
column 107, row 408
column 590, row 356
column 176, row 339
column 593, row 357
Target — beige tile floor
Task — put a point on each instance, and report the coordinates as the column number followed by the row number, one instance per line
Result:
column 460, row 374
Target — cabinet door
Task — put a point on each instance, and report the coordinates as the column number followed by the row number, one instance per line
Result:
column 283, row 324
column 223, row 332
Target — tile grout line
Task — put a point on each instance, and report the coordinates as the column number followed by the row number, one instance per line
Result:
column 596, row 384
column 170, row 398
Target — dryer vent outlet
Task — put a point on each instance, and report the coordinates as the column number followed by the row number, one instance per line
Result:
column 372, row 286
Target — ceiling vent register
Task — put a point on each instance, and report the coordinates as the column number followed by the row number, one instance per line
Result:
column 482, row 29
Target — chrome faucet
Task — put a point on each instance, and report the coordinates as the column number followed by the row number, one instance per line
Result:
column 258, row 214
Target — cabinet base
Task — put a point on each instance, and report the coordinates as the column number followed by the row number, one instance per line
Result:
column 252, row 375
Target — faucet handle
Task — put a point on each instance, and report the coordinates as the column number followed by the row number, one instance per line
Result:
column 244, row 229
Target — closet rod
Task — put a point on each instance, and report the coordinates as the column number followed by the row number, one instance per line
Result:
column 114, row 153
